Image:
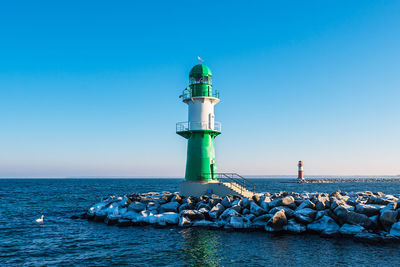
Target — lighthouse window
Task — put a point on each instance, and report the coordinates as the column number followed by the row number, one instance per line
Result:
column 205, row 79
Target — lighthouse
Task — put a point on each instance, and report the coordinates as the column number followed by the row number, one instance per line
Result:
column 201, row 128
column 300, row 175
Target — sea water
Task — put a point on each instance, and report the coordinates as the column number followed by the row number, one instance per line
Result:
column 61, row 240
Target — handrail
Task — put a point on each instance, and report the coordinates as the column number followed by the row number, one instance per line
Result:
column 198, row 125
column 242, row 182
column 187, row 94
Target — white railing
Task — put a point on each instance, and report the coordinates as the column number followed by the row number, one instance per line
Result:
column 198, row 125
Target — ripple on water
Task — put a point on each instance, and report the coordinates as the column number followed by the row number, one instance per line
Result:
column 63, row 241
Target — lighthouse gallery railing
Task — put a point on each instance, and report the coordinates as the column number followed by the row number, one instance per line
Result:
column 187, row 94
column 197, row 125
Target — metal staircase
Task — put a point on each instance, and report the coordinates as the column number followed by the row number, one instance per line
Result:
column 236, row 183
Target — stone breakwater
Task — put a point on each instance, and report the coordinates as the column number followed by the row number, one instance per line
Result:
column 351, row 180
column 363, row 216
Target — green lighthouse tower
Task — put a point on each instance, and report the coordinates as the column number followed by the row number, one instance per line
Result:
column 201, row 128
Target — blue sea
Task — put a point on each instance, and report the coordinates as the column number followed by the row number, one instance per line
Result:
column 61, row 240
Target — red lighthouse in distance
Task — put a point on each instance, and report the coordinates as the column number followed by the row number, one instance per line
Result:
column 300, row 175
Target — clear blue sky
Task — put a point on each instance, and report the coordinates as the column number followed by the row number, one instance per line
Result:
column 90, row 88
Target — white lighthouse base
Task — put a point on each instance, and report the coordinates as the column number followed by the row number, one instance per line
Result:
column 198, row 189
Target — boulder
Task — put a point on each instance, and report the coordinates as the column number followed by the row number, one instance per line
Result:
column 171, row 218
column 245, row 203
column 278, row 220
column 238, row 222
column 192, row 215
column 305, row 215
column 228, row 213
column 237, row 208
column 288, row 201
column 275, row 203
column 341, row 212
column 378, row 200
column 265, row 203
column 263, row 218
column 350, row 230
column 322, row 203
column 289, row 213
column 186, row 206
column 395, row 230
column 256, row 210
column 153, row 206
column 294, row 227
column 358, row 219
column 191, row 200
column 256, row 198
column 184, row 222
column 214, row 201
column 245, row 211
column 306, row 204
column 216, row 211
column 325, row 225
column 250, row 216
column 169, row 207
column 130, row 215
column 177, row 198
column 205, row 213
column 369, row 210
column 226, row 202
column 322, row 213
column 335, row 202
column 375, row 221
column 387, row 218
column 202, row 204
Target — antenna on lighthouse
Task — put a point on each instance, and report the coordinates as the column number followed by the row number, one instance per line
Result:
column 200, row 59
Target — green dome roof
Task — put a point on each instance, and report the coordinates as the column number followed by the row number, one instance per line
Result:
column 200, row 70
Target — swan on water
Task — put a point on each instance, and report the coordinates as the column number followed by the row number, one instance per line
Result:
column 40, row 220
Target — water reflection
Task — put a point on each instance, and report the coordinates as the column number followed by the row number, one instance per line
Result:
column 200, row 247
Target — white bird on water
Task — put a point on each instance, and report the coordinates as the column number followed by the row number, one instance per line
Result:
column 40, row 220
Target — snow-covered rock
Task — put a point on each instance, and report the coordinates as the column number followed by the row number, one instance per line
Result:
column 278, row 220
column 395, row 230
column 216, row 211
column 184, row 222
column 305, row 215
column 294, row 227
column 358, row 219
column 387, row 218
column 137, row 206
column 325, row 225
column 170, row 207
column 369, row 210
column 192, row 215
column 256, row 210
column 306, row 204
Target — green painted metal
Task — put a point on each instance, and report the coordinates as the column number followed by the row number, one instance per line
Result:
column 200, row 81
column 200, row 70
column 200, row 162
column 200, row 157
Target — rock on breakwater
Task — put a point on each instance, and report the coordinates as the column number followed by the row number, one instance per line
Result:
column 364, row 216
